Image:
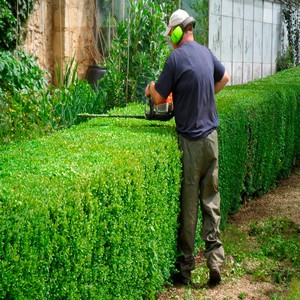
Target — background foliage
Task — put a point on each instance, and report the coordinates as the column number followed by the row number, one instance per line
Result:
column 91, row 212
column 13, row 17
column 19, row 72
column 290, row 56
column 28, row 107
column 292, row 21
column 137, row 54
column 200, row 9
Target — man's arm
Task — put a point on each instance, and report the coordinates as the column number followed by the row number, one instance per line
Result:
column 221, row 84
column 156, row 97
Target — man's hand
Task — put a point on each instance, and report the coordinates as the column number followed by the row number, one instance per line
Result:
column 221, row 84
column 147, row 90
column 156, row 97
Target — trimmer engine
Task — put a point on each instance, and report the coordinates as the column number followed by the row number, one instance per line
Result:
column 161, row 112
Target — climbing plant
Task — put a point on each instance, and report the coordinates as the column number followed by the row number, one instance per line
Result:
column 291, row 15
column 13, row 17
column 200, row 8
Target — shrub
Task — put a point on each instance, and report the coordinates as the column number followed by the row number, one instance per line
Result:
column 83, row 214
column 259, row 136
column 284, row 61
column 91, row 212
column 19, row 72
column 22, row 110
column 29, row 108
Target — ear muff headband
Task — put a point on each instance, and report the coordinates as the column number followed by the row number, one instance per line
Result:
column 178, row 31
column 177, row 34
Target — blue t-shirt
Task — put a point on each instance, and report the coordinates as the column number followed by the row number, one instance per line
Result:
column 190, row 73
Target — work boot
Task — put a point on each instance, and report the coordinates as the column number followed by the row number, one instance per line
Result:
column 214, row 276
column 182, row 278
column 185, row 267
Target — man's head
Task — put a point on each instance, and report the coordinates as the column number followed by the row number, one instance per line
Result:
column 178, row 22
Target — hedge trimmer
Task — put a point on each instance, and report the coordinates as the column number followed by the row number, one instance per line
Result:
column 161, row 112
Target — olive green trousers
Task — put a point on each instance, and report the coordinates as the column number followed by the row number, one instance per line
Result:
column 200, row 184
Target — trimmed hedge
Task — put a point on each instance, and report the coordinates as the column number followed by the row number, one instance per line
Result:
column 91, row 212
column 259, row 136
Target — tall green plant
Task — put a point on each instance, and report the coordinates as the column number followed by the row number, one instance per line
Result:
column 20, row 72
column 200, row 8
column 291, row 16
column 66, row 75
column 137, row 54
column 28, row 107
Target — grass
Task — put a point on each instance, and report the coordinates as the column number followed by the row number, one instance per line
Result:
column 294, row 292
column 269, row 252
column 265, row 251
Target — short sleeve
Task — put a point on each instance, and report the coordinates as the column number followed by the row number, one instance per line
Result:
column 164, row 83
column 219, row 69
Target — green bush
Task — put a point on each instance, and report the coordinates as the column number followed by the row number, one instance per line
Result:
column 259, row 136
column 91, row 212
column 285, row 61
column 28, row 107
column 19, row 72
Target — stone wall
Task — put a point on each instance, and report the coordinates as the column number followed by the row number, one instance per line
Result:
column 59, row 30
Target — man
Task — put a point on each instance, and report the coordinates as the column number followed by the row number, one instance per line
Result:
column 193, row 75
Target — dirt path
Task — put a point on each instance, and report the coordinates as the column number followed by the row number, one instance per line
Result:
column 284, row 201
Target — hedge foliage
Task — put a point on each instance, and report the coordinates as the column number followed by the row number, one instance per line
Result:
column 259, row 136
column 91, row 212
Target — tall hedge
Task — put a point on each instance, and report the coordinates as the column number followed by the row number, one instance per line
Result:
column 91, row 212
column 259, row 136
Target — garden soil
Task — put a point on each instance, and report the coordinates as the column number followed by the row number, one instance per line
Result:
column 283, row 201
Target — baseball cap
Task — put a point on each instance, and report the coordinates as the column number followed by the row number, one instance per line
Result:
column 178, row 17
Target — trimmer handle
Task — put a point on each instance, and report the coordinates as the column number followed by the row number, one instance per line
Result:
column 149, row 113
column 153, row 114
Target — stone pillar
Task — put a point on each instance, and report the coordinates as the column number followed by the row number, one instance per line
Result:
column 60, row 30
column 58, row 36
column 38, row 40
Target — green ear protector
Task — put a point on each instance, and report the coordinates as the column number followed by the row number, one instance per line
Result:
column 178, row 31
column 177, row 34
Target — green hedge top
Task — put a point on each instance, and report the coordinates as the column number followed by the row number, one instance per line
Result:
column 259, row 136
column 89, row 213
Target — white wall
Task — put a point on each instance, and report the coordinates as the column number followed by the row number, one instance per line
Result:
column 245, row 35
